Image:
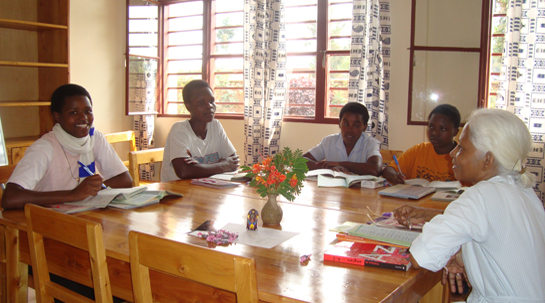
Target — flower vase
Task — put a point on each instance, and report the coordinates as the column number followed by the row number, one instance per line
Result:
column 271, row 213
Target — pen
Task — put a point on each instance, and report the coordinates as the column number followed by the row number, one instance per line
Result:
column 397, row 163
column 85, row 168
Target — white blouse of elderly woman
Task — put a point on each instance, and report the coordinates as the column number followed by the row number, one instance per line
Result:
column 499, row 222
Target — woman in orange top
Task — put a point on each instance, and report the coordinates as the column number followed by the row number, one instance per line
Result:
column 429, row 160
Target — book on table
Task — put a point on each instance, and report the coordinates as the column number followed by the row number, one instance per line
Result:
column 214, row 183
column 438, row 185
column 145, row 198
column 406, row 191
column 331, row 178
column 374, row 255
column 107, row 197
column 448, row 195
column 231, row 176
column 387, row 235
column 350, row 238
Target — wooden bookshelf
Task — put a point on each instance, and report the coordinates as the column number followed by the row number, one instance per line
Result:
column 34, row 61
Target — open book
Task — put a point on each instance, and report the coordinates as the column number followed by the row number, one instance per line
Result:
column 439, row 185
column 101, row 200
column 331, row 178
column 143, row 199
column 448, row 195
column 231, row 176
column 407, row 191
column 387, row 235
column 214, row 183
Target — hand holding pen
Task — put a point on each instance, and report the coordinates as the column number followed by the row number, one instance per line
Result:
column 90, row 186
column 86, row 169
column 400, row 176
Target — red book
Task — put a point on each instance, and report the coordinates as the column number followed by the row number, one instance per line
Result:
column 369, row 255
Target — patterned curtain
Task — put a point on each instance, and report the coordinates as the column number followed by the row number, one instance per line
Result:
column 143, row 98
column 144, row 127
column 370, row 63
column 522, row 79
column 264, row 77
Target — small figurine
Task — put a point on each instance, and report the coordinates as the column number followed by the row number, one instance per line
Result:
column 253, row 218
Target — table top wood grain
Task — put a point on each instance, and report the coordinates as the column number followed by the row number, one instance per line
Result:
column 280, row 276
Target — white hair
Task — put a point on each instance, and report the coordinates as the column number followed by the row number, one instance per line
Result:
column 504, row 135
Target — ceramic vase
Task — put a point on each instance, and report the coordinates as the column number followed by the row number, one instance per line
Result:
column 271, row 213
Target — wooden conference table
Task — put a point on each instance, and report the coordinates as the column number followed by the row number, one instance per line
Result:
column 280, row 276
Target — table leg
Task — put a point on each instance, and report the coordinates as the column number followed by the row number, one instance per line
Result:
column 439, row 293
column 16, row 271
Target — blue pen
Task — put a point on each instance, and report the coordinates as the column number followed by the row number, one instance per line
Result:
column 397, row 163
column 85, row 168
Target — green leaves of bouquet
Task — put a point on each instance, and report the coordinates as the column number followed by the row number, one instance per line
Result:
column 282, row 174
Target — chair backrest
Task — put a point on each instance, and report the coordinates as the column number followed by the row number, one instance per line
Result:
column 136, row 158
column 126, row 136
column 77, row 232
column 206, row 266
column 388, row 155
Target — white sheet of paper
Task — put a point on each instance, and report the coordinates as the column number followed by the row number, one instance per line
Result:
column 262, row 237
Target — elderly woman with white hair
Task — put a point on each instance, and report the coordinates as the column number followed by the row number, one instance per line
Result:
column 499, row 222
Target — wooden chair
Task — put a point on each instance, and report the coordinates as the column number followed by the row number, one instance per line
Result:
column 203, row 265
column 388, row 155
column 142, row 157
column 127, row 136
column 80, row 233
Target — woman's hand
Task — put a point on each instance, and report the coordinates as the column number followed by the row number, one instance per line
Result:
column 90, row 186
column 455, row 273
column 400, row 178
column 230, row 163
column 409, row 215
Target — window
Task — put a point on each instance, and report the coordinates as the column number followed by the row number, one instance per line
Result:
column 203, row 39
column 448, row 56
column 317, row 67
column 217, row 59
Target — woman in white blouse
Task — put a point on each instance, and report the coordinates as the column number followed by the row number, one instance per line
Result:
column 499, row 222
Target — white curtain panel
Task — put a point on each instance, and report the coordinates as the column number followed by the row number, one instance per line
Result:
column 370, row 63
column 264, row 77
column 522, row 80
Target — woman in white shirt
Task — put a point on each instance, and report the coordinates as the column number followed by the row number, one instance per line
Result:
column 499, row 222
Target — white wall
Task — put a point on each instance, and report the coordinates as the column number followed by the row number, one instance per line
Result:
column 97, row 46
column 97, row 59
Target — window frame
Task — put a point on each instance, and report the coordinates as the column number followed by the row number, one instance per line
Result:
column 483, row 50
column 322, row 78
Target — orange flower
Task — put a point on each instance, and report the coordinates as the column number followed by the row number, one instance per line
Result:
column 256, row 168
column 293, row 181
